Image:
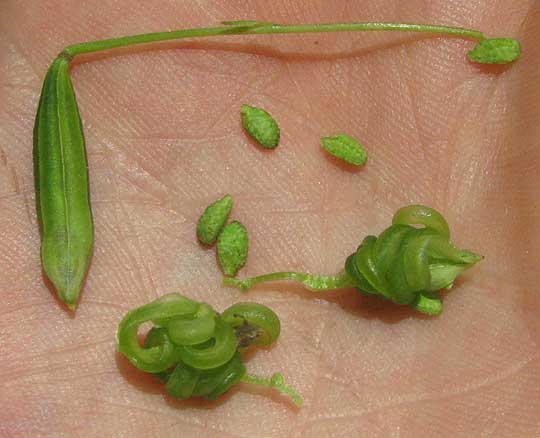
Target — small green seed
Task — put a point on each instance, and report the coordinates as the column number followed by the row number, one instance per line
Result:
column 260, row 126
column 345, row 148
column 495, row 51
column 213, row 220
column 232, row 248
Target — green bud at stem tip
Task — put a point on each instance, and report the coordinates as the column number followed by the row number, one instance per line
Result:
column 495, row 51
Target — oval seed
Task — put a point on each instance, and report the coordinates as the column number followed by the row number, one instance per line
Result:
column 61, row 183
column 213, row 220
column 260, row 126
column 232, row 248
column 345, row 148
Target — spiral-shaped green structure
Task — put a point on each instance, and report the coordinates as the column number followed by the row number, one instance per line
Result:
column 193, row 349
column 407, row 263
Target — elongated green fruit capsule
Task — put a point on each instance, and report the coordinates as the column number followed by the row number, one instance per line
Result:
column 61, row 183
column 495, row 51
column 213, row 220
column 260, row 126
column 345, row 148
column 232, row 248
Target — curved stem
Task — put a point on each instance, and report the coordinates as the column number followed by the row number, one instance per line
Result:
column 314, row 283
column 255, row 28
column 275, row 382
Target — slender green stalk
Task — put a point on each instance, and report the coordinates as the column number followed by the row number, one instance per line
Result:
column 314, row 283
column 258, row 28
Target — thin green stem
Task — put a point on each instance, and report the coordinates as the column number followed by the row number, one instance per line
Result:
column 255, row 28
column 314, row 283
column 275, row 382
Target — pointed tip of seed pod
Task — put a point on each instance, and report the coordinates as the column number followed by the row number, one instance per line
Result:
column 472, row 258
column 71, row 306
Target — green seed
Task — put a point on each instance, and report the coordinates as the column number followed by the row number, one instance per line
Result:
column 495, row 51
column 232, row 248
column 61, row 183
column 345, row 148
column 213, row 220
column 260, row 126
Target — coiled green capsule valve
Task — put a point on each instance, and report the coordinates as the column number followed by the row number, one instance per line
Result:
column 195, row 351
column 404, row 264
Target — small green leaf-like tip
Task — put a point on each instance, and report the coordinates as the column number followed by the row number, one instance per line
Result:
column 428, row 303
column 276, row 382
column 470, row 258
column 495, row 51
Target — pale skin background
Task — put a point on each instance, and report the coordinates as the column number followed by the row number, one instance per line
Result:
column 164, row 140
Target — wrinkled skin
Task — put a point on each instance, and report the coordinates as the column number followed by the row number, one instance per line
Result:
column 164, row 140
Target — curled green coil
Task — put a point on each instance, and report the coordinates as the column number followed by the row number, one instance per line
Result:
column 404, row 264
column 193, row 349
column 408, row 265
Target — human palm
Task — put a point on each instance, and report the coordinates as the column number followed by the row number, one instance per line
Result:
column 164, row 140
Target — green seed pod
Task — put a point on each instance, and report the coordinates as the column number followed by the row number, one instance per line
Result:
column 404, row 264
column 61, row 183
column 232, row 248
column 213, row 220
column 260, row 126
column 495, row 51
column 345, row 148
column 408, row 265
column 195, row 351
